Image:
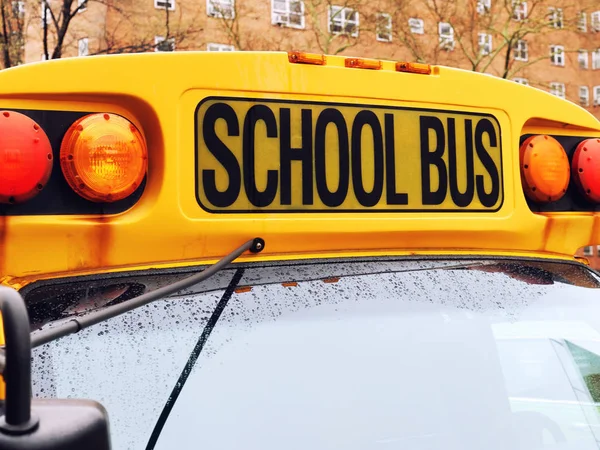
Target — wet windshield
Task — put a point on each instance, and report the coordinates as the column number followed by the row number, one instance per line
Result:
column 375, row 354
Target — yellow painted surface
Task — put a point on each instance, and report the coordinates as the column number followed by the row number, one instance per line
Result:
column 170, row 227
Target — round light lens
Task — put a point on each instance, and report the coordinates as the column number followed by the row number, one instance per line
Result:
column 545, row 170
column 25, row 157
column 586, row 169
column 103, row 157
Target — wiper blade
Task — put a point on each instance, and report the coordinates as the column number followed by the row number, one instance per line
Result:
column 75, row 325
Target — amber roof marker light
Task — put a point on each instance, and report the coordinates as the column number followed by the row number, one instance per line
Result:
column 363, row 63
column 545, row 169
column 413, row 67
column 103, row 157
column 306, row 58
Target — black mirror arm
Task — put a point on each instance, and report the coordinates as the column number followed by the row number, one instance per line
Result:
column 17, row 373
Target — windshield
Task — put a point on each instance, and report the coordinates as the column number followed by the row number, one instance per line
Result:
column 378, row 354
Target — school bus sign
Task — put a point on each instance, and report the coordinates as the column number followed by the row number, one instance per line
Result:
column 293, row 156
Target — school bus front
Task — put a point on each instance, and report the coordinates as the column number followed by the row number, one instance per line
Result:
column 414, row 285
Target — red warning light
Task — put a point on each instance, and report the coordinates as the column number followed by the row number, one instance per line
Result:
column 585, row 169
column 25, row 157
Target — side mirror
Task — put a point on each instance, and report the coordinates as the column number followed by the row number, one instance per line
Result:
column 49, row 424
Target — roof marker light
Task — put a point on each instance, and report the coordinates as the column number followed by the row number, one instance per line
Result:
column 103, row 157
column 25, row 157
column 412, row 67
column 362, row 63
column 306, row 58
column 545, row 170
column 585, row 169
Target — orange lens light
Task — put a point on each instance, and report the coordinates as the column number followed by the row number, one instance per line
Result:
column 25, row 157
column 586, row 169
column 411, row 67
column 361, row 63
column 306, row 58
column 545, row 170
column 103, row 157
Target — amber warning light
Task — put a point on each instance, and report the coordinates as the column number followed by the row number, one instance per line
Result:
column 545, row 170
column 103, row 157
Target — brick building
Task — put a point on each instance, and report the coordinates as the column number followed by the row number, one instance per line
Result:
column 549, row 44
column 552, row 45
column 592, row 254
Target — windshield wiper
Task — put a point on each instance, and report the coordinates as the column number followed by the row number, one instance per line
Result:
column 75, row 325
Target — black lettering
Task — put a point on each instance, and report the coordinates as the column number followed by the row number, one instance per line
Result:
column 433, row 159
column 487, row 199
column 392, row 197
column 287, row 154
column 337, row 197
column 223, row 154
column 254, row 115
column 367, row 198
column 461, row 198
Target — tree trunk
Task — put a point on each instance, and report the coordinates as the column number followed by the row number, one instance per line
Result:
column 6, row 38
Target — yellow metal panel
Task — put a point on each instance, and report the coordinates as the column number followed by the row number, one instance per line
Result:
column 169, row 227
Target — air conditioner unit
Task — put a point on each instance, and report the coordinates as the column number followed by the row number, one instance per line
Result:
column 220, row 11
column 447, row 44
column 281, row 19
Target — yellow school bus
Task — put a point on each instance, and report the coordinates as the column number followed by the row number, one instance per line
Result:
column 270, row 250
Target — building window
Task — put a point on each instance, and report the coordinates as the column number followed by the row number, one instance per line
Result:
column 162, row 45
column 221, row 8
column 524, row 81
column 595, row 19
column 343, row 20
column 584, row 96
column 582, row 22
column 521, row 53
column 417, row 26
column 519, row 10
column 446, row 33
column 583, row 58
column 18, row 8
column 384, row 27
column 557, row 55
column 219, row 48
column 164, row 4
column 596, row 59
column 557, row 89
column 596, row 90
column 555, row 17
column 485, row 43
column 84, row 48
column 287, row 13
column 588, row 251
column 484, row 6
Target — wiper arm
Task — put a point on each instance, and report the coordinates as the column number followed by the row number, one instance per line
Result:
column 75, row 325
